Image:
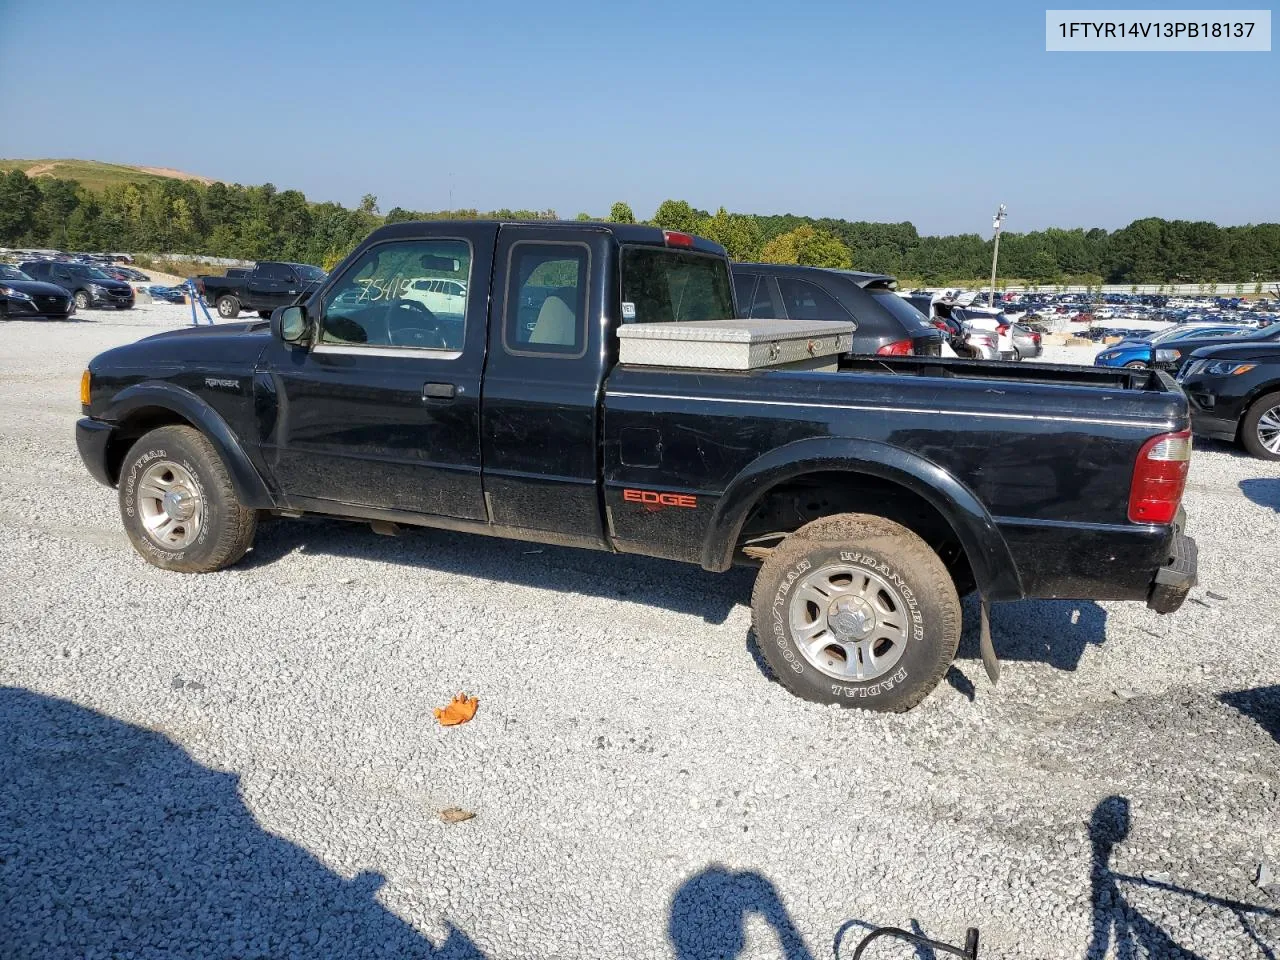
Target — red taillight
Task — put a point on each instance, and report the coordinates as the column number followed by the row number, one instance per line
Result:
column 941, row 326
column 676, row 239
column 1159, row 478
column 1035, row 337
column 1002, row 329
column 899, row 348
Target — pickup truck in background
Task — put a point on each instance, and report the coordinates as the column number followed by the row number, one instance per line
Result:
column 872, row 496
column 270, row 284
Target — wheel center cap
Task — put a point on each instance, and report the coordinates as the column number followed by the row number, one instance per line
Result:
column 177, row 505
column 851, row 618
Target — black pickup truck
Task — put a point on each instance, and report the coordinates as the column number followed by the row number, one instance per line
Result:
column 872, row 497
column 270, row 284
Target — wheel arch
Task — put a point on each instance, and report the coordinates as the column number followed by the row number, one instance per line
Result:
column 985, row 551
column 138, row 409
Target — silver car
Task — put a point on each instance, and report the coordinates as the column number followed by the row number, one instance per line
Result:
column 1026, row 342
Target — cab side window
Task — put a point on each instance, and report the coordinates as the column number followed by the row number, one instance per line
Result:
column 546, row 307
column 389, row 298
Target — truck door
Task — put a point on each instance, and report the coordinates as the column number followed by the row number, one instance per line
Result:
column 542, row 381
column 382, row 409
column 270, row 285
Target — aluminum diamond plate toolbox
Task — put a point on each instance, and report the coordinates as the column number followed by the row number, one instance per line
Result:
column 735, row 344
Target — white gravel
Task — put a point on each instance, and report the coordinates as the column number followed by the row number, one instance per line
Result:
column 246, row 764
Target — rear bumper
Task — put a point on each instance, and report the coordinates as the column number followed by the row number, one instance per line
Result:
column 1175, row 579
column 92, row 438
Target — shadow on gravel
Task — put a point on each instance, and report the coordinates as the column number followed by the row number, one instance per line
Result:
column 1262, row 704
column 114, row 842
column 709, row 916
column 1119, row 930
column 681, row 587
column 1264, row 491
column 1055, row 632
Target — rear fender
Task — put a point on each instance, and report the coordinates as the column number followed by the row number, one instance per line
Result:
column 994, row 571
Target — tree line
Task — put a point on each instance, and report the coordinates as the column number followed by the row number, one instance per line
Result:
column 261, row 222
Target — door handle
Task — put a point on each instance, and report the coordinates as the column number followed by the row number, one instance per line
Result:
column 438, row 391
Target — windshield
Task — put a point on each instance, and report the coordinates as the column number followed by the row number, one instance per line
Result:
column 308, row 272
column 11, row 273
column 662, row 286
column 93, row 273
column 907, row 315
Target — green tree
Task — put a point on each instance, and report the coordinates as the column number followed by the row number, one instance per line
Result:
column 808, row 247
column 19, row 204
column 676, row 215
column 584, row 217
column 737, row 233
column 621, row 212
column 368, row 203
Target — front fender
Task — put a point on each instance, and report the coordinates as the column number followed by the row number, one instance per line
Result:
column 250, row 488
column 994, row 571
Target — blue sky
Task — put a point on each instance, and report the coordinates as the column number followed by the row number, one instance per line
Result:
column 932, row 112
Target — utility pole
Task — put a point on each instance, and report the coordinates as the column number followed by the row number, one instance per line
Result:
column 995, row 253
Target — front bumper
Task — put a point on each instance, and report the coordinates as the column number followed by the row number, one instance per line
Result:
column 92, row 439
column 40, row 308
column 1174, row 580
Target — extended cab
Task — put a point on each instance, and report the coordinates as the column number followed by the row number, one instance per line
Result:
column 270, row 284
column 872, row 496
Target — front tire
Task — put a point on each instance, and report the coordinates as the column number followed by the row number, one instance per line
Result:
column 1260, row 428
column 228, row 307
column 83, row 300
column 178, row 504
column 1135, row 365
column 857, row 610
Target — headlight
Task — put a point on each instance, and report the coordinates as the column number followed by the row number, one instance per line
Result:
column 1106, row 356
column 98, row 288
column 1227, row 368
column 1168, row 356
column 16, row 294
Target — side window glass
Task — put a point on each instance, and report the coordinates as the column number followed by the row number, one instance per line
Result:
column 386, row 298
column 546, row 299
column 807, row 301
column 766, row 307
column 744, row 287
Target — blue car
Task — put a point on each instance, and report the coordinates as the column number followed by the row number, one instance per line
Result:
column 1140, row 352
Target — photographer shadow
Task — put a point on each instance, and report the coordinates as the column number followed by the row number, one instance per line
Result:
column 114, row 842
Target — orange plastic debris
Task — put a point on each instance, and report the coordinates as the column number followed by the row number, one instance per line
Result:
column 460, row 709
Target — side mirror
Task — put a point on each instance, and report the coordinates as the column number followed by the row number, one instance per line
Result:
column 289, row 323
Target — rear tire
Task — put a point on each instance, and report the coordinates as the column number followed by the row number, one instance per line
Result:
column 874, row 600
column 178, row 504
column 228, row 307
column 1260, row 427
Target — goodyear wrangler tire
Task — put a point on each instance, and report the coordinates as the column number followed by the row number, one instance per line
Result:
column 857, row 610
column 178, row 504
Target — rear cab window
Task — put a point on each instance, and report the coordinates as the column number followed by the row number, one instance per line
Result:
column 661, row 285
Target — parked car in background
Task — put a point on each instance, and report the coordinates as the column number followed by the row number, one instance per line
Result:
column 966, row 341
column 439, row 295
column 270, row 284
column 1142, row 352
column 885, row 323
column 1174, row 356
column 88, row 285
column 1234, row 392
column 165, row 294
column 136, row 276
column 1026, row 342
column 23, row 297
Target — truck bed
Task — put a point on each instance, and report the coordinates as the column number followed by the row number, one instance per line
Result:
column 1062, row 374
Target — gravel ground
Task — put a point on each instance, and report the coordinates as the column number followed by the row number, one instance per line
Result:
column 246, row 764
